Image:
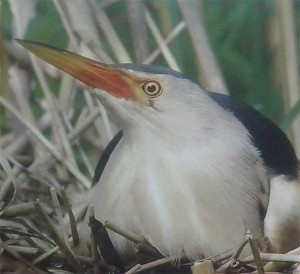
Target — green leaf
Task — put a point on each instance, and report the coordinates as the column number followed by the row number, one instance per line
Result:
column 291, row 117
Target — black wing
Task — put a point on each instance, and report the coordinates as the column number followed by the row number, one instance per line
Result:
column 105, row 157
column 274, row 146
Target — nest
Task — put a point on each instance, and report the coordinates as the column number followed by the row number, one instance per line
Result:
column 33, row 240
column 44, row 157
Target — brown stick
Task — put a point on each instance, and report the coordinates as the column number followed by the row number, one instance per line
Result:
column 57, row 238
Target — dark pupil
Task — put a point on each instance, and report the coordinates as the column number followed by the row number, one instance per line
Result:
column 151, row 88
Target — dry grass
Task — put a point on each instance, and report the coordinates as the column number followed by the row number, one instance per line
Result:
column 49, row 152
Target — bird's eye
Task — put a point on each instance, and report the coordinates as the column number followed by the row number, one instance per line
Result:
column 152, row 89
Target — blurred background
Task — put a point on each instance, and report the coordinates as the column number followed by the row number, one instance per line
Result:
column 249, row 49
column 52, row 131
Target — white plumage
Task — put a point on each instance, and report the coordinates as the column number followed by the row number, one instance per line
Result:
column 189, row 173
column 185, row 175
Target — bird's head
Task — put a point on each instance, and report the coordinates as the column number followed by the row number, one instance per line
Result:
column 133, row 94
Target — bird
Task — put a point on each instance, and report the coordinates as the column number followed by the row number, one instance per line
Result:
column 191, row 171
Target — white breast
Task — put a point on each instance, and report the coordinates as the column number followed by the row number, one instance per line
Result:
column 182, row 198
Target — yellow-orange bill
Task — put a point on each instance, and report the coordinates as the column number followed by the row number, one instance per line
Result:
column 94, row 74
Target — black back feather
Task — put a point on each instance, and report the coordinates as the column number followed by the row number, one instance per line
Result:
column 274, row 146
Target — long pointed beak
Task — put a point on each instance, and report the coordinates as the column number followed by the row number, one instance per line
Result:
column 117, row 82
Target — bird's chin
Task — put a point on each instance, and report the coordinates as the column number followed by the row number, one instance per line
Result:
column 122, row 110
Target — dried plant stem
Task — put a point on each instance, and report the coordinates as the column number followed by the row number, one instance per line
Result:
column 233, row 258
column 127, row 234
column 5, row 139
column 16, row 232
column 204, row 267
column 46, row 255
column 212, row 77
column 78, row 145
column 77, row 174
column 269, row 257
column 21, row 159
column 90, row 99
column 67, row 25
column 255, row 252
column 73, row 135
column 133, row 269
column 35, row 231
column 75, row 46
column 161, row 42
column 68, row 208
column 274, row 266
column 66, row 95
column 83, row 125
column 139, row 32
column 32, row 129
column 240, row 249
column 18, row 144
column 25, row 250
column 57, row 238
column 58, row 127
column 110, row 33
column 19, row 85
column 156, row 263
column 14, row 253
column 105, row 120
column 174, row 33
column 18, row 210
column 11, row 180
column 290, row 63
column 59, row 215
